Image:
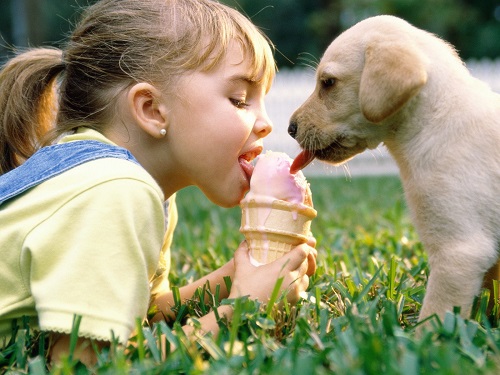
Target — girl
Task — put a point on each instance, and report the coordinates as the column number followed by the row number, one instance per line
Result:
column 149, row 96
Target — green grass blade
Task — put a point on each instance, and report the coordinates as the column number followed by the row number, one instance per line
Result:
column 274, row 297
column 73, row 339
column 140, row 340
column 152, row 344
column 367, row 287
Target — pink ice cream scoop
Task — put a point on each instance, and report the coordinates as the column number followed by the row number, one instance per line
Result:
column 271, row 179
column 277, row 211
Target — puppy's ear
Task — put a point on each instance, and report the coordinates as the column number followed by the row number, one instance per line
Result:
column 393, row 73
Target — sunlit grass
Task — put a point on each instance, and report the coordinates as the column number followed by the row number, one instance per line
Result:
column 358, row 316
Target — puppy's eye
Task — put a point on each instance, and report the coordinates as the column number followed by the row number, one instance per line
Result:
column 328, row 82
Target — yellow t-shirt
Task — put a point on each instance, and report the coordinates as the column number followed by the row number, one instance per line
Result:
column 85, row 242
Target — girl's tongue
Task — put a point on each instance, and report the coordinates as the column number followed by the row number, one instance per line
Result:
column 247, row 167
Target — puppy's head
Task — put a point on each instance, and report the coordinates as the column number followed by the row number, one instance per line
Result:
column 366, row 76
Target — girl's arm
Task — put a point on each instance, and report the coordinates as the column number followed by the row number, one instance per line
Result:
column 248, row 280
column 165, row 301
column 59, row 344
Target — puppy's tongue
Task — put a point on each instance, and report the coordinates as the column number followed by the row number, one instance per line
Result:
column 301, row 161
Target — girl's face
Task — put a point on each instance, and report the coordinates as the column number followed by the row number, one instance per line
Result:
column 216, row 124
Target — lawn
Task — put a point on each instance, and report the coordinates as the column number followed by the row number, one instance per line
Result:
column 358, row 316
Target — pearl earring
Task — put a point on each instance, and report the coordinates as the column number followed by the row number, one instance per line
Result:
column 163, row 132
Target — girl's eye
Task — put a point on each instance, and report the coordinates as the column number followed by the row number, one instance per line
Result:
column 238, row 103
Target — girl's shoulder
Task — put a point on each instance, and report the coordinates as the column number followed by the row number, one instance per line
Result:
column 106, row 168
column 105, row 171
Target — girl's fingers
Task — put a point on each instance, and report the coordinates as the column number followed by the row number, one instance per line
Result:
column 295, row 258
column 311, row 262
column 241, row 253
column 298, row 286
column 311, row 241
column 304, row 283
column 301, row 259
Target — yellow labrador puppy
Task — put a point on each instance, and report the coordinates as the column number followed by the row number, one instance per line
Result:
column 384, row 80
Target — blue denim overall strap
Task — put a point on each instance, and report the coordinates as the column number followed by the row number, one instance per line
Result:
column 53, row 160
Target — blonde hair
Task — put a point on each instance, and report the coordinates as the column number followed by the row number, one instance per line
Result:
column 117, row 43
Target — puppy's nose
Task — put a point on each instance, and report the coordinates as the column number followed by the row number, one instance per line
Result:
column 292, row 129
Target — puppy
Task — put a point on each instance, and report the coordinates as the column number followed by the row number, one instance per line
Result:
column 385, row 81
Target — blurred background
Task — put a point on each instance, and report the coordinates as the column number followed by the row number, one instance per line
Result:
column 300, row 30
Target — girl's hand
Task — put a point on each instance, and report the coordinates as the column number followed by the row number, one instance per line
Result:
column 258, row 282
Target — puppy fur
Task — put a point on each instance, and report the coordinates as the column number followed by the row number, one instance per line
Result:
column 385, row 81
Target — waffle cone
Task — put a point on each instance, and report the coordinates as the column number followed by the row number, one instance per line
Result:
column 273, row 228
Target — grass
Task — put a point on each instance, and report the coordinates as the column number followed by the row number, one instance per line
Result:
column 358, row 316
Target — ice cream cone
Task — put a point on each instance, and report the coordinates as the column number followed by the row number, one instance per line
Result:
column 273, row 228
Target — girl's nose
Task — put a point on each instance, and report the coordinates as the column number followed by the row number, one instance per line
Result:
column 263, row 126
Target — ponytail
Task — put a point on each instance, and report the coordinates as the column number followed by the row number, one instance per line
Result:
column 28, row 104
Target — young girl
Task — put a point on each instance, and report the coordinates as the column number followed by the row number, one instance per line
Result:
column 149, row 96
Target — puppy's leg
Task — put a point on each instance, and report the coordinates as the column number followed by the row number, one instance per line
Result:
column 456, row 275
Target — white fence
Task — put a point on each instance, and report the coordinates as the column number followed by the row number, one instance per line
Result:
column 292, row 87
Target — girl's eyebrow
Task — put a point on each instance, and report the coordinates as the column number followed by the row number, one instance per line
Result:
column 242, row 78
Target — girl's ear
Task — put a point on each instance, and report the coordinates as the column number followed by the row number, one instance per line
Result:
column 148, row 109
